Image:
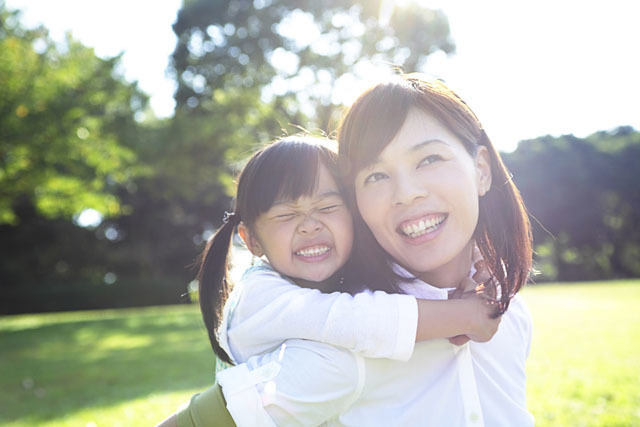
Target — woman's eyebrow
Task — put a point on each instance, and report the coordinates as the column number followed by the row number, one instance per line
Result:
column 421, row 145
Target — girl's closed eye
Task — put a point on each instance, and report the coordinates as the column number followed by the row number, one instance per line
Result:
column 284, row 216
column 330, row 208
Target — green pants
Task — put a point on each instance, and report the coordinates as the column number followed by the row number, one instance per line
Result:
column 206, row 409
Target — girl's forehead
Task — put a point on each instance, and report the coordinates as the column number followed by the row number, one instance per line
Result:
column 315, row 198
column 325, row 187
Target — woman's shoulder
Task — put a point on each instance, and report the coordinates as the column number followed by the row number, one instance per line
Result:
column 519, row 311
column 519, row 318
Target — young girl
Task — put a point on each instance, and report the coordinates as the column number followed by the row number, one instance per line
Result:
column 289, row 209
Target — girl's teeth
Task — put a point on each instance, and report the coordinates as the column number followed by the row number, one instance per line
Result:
column 313, row 251
column 422, row 227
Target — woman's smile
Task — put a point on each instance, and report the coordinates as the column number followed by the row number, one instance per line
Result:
column 424, row 226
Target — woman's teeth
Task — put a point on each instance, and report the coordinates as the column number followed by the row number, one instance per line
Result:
column 422, row 227
column 315, row 251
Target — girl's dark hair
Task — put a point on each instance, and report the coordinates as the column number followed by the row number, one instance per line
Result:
column 503, row 232
column 285, row 169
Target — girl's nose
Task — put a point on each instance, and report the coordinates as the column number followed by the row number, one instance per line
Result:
column 408, row 189
column 309, row 225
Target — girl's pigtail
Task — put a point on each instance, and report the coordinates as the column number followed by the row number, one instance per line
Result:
column 213, row 281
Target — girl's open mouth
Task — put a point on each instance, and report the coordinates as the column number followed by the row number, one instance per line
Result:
column 313, row 253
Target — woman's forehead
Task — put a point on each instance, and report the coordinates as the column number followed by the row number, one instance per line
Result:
column 419, row 131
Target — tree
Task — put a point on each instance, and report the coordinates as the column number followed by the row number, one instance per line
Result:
column 68, row 142
column 63, row 114
column 301, row 50
column 584, row 194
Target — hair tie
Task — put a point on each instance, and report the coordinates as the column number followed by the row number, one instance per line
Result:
column 231, row 217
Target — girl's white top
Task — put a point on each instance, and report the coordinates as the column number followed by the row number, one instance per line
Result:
column 307, row 383
column 265, row 309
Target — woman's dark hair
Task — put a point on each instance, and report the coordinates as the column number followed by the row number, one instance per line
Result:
column 285, row 169
column 503, row 232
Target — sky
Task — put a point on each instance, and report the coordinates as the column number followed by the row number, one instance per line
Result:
column 527, row 69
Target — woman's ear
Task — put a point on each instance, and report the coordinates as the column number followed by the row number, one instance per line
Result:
column 483, row 170
column 250, row 240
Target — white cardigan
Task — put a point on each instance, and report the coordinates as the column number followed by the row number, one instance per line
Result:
column 305, row 383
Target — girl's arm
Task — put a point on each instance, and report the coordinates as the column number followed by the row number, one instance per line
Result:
column 470, row 317
column 271, row 310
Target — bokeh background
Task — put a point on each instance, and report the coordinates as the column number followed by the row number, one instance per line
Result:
column 122, row 125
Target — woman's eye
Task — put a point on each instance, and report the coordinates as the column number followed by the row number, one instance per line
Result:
column 430, row 159
column 374, row 177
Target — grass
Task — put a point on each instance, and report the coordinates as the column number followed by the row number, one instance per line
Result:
column 135, row 366
column 584, row 366
column 114, row 367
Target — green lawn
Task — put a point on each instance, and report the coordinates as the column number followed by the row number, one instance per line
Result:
column 135, row 366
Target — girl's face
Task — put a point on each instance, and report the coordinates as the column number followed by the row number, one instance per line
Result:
column 420, row 199
column 309, row 238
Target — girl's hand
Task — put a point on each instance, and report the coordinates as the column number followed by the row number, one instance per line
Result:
column 484, row 323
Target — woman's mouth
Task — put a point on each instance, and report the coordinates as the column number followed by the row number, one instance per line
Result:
column 422, row 226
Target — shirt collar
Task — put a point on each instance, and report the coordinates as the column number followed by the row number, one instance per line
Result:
column 419, row 288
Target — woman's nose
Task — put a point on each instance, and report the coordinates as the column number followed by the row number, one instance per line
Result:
column 309, row 225
column 407, row 189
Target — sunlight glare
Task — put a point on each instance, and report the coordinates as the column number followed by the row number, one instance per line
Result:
column 89, row 218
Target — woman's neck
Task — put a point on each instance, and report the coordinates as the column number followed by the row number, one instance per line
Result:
column 452, row 273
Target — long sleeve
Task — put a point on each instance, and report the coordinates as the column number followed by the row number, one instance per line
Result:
column 269, row 309
column 302, row 383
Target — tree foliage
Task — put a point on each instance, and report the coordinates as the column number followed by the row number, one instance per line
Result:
column 586, row 200
column 63, row 114
column 301, row 50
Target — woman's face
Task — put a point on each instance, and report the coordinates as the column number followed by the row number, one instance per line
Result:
column 420, row 198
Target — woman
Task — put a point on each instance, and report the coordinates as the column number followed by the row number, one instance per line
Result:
column 428, row 185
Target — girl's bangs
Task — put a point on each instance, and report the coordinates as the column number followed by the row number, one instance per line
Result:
column 287, row 170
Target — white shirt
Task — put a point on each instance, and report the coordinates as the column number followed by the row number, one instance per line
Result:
column 265, row 309
column 305, row 383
